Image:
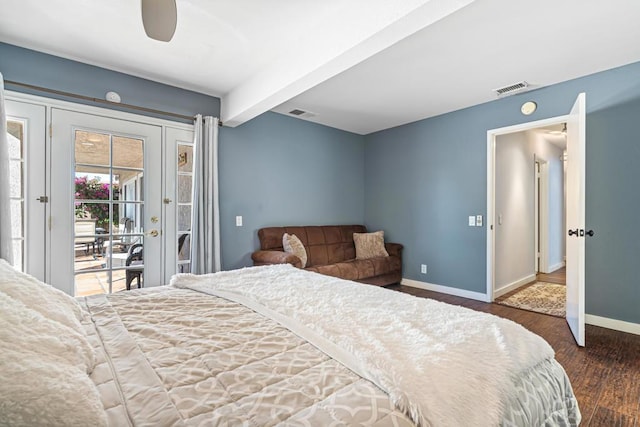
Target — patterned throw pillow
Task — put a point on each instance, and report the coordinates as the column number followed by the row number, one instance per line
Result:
column 369, row 245
column 293, row 245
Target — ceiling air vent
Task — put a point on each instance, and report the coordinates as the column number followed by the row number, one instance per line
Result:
column 511, row 89
column 302, row 113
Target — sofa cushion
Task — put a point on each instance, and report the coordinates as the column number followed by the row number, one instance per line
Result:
column 293, row 245
column 369, row 245
column 359, row 269
column 324, row 244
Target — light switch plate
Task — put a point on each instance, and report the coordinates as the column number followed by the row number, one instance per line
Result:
column 478, row 220
column 472, row 220
column 239, row 221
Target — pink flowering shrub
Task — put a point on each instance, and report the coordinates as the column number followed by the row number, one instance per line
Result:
column 92, row 189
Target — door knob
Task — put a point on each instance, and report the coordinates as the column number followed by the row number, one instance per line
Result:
column 590, row 233
column 573, row 232
column 153, row 233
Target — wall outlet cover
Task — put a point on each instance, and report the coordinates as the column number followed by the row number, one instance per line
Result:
column 478, row 220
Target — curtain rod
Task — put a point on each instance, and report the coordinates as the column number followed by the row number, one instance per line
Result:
column 100, row 101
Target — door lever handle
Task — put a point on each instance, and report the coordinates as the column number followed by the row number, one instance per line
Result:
column 573, row 232
column 590, row 233
column 153, row 233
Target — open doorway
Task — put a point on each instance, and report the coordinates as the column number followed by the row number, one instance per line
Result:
column 530, row 201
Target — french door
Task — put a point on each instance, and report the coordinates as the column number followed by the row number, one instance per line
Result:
column 26, row 138
column 106, row 203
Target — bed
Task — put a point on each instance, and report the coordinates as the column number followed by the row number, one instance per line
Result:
column 271, row 345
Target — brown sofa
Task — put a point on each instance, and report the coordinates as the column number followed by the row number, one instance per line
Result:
column 331, row 251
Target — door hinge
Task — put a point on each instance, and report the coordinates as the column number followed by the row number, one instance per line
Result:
column 43, row 199
column 50, row 130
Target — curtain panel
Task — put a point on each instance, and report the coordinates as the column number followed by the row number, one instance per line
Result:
column 205, row 229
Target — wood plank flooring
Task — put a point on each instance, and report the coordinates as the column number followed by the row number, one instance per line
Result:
column 605, row 375
column 559, row 276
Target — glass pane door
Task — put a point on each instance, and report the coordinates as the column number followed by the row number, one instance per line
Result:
column 185, row 205
column 179, row 202
column 106, row 204
column 26, row 142
column 15, row 138
column 109, row 208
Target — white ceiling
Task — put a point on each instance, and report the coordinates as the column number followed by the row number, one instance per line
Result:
column 361, row 65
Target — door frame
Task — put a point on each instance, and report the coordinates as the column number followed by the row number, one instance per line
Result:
column 491, row 185
column 542, row 214
column 50, row 104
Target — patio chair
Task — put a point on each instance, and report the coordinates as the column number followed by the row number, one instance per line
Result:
column 125, row 242
column 135, row 264
column 85, row 230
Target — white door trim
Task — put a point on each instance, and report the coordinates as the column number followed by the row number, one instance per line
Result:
column 544, row 217
column 491, row 181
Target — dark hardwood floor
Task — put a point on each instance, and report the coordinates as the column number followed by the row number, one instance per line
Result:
column 559, row 276
column 605, row 374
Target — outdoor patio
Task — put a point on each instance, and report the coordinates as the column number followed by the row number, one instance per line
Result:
column 91, row 277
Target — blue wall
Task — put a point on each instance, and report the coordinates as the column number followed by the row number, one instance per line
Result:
column 422, row 181
column 52, row 72
column 419, row 182
column 277, row 170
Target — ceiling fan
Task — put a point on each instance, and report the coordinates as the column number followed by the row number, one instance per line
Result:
column 159, row 18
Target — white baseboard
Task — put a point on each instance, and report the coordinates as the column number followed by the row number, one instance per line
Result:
column 445, row 289
column 513, row 285
column 555, row 267
column 617, row 325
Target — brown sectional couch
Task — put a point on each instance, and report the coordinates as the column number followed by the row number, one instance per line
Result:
column 331, row 251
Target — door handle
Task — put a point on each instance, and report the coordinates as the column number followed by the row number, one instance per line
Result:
column 590, row 233
column 153, row 233
column 573, row 232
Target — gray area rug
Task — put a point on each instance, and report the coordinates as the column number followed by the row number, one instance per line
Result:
column 541, row 297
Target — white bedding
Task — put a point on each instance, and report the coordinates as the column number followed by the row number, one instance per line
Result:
column 267, row 346
column 443, row 365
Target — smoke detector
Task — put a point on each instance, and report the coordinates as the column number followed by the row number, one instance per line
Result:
column 512, row 88
column 302, row 114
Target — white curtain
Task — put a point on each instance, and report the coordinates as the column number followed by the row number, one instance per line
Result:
column 205, row 224
column 6, row 244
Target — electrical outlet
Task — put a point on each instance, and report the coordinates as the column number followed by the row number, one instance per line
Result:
column 239, row 221
column 423, row 269
column 472, row 220
column 478, row 220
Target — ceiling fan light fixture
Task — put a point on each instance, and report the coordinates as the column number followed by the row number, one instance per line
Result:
column 159, row 18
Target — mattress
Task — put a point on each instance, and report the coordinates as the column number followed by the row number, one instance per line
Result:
column 176, row 356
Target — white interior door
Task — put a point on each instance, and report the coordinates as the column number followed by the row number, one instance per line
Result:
column 26, row 137
column 106, row 203
column 576, row 137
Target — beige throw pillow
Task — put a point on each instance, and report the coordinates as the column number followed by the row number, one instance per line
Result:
column 293, row 245
column 369, row 245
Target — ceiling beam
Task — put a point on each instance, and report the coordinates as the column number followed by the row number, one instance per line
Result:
column 355, row 34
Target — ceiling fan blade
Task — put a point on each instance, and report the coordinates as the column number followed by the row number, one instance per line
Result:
column 159, row 18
